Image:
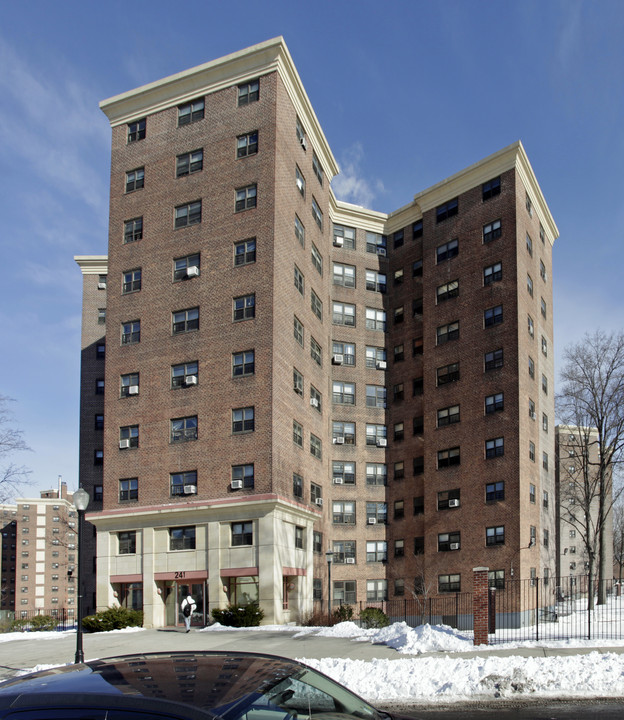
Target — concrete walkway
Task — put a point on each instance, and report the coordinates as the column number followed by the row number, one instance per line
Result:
column 24, row 654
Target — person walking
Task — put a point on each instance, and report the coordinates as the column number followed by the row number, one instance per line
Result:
column 187, row 606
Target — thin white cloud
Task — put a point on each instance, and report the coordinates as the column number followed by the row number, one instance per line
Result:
column 570, row 34
column 349, row 185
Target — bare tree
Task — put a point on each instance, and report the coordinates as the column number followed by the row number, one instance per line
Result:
column 591, row 404
column 618, row 536
column 11, row 442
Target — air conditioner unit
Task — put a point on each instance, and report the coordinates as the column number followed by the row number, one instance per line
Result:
column 372, row 521
column 304, row 142
column 314, row 402
column 190, row 489
column 190, row 380
column 339, row 439
column 102, row 286
column 381, row 365
column 454, row 546
column 338, row 481
column 381, row 251
column 133, row 390
column 124, row 444
column 236, row 484
column 338, row 359
column 319, row 501
column 192, row 271
column 382, row 442
column 453, row 503
column 350, row 561
column 338, row 242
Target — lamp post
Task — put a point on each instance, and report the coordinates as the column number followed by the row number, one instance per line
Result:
column 330, row 557
column 81, row 501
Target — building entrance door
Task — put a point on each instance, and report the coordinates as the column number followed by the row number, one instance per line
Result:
column 175, row 592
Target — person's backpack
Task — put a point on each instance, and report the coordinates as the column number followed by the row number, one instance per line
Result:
column 186, row 611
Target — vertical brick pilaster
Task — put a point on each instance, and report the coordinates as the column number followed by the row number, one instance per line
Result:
column 480, row 605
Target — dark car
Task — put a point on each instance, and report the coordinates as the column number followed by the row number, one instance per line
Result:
column 202, row 685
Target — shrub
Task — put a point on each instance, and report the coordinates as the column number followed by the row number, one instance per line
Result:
column 42, row 622
column 234, row 616
column 343, row 613
column 113, row 618
column 318, row 619
column 372, row 617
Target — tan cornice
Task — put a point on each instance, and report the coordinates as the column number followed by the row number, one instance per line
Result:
column 344, row 213
column 92, row 264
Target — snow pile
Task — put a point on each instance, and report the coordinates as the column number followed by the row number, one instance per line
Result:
column 425, row 638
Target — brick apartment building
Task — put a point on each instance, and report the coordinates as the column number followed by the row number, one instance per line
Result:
column 287, row 373
column 39, row 554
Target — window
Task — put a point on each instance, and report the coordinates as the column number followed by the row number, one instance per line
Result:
column 317, row 259
column 244, row 307
column 128, row 489
column 131, row 281
column 399, row 431
column 343, row 473
column 419, row 505
column 135, row 179
column 184, row 375
column 191, row 112
column 495, row 447
column 530, row 285
column 447, row 291
column 491, row 188
column 529, row 244
column 544, row 346
column 529, row 205
column 189, row 163
column 447, row 251
column 532, row 451
column 375, row 357
column 531, row 409
column 375, row 396
column 99, row 422
column 376, row 243
column 183, row 483
column 186, row 267
column 448, row 499
column 316, row 399
column 317, row 168
column 184, row 429
column 492, row 231
column 299, row 280
column 98, row 459
column 375, row 319
column 343, row 353
column 344, row 592
column 185, row 321
column 544, row 422
column 128, row 436
column 376, row 551
column 398, row 276
column 493, row 360
column 316, row 446
column 316, row 352
column 136, row 130
column 300, row 181
column 417, row 229
column 316, row 305
column 242, row 533
column 246, row 198
column 375, row 281
column 248, row 92
column 398, row 238
column 448, row 415
column 376, row 512
column 496, row 579
column 494, row 403
column 399, row 551
column 127, row 542
column 495, row 491
column 243, row 364
column 492, row 273
column 495, row 535
column 417, row 268
column 398, row 391
column 131, row 332
column 343, row 513
column 447, row 210
column 543, row 307
column 297, row 382
column 182, row 538
column 531, row 326
column 298, row 331
column 531, row 367
column 344, row 237
column 297, row 486
column 243, row 420
column 343, row 314
column 542, row 271
column 447, row 374
column 545, row 498
column 493, row 316
column 544, row 384
column 417, row 386
column 343, row 433
column 419, row 545
column 133, row 230
column 545, row 460
column 247, row 144
column 129, row 384
column 449, row 541
column 376, row 474
column 399, row 353
column 448, row 457
column 299, row 231
column 317, row 213
column 189, row 214
column 101, row 316
column 447, row 332
column 98, row 493
column 299, row 537
column 244, row 474
column 376, row 435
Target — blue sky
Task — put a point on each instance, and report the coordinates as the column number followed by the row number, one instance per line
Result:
column 407, row 92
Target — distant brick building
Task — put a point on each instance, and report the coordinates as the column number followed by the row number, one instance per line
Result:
column 287, row 373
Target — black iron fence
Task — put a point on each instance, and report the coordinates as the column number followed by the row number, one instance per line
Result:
column 37, row 620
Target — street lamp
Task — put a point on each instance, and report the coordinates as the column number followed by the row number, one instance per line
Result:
column 81, row 501
column 330, row 557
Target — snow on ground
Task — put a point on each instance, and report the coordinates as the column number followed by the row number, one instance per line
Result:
column 51, row 634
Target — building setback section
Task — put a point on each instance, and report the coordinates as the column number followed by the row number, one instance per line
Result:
column 287, row 374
